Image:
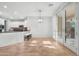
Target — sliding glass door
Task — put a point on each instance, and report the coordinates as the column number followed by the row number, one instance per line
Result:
column 70, row 27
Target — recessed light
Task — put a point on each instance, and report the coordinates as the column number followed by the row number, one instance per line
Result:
column 5, row 6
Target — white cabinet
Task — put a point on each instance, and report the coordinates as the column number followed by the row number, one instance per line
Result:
column 11, row 38
column 71, row 44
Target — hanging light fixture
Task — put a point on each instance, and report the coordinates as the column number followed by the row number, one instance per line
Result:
column 40, row 18
column 5, row 6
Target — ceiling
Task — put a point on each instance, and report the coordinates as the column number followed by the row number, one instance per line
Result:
column 23, row 9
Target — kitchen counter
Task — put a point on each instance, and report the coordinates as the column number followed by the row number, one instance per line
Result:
column 9, row 38
column 13, row 31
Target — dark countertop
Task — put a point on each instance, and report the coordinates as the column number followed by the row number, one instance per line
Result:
column 13, row 31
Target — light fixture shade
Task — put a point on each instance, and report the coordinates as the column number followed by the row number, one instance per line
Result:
column 40, row 20
column 5, row 6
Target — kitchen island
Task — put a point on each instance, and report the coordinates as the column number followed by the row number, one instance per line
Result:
column 9, row 38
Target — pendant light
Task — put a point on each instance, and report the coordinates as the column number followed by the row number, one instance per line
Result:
column 40, row 20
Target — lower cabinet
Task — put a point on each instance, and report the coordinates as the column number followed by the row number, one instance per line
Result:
column 71, row 44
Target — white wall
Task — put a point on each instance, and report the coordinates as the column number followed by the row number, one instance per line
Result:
column 54, row 27
column 16, row 23
column 43, row 29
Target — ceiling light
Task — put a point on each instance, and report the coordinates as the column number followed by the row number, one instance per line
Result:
column 40, row 20
column 5, row 6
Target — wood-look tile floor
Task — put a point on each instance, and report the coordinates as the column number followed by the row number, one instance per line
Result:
column 36, row 47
